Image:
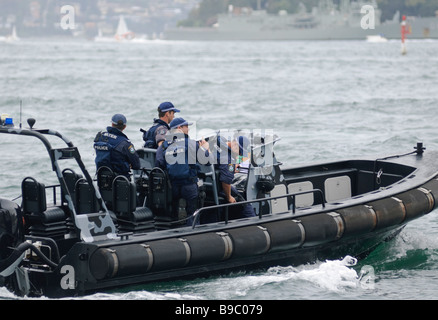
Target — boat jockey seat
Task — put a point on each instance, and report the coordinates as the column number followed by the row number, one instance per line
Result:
column 129, row 217
column 44, row 222
column 86, row 201
column 70, row 178
column 160, row 199
column 147, row 157
column 105, row 178
column 147, row 163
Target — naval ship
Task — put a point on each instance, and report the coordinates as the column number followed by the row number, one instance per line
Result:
column 350, row 20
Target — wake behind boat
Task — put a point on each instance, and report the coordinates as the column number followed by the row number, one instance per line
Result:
column 113, row 232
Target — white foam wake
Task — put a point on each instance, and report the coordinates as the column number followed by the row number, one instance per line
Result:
column 322, row 278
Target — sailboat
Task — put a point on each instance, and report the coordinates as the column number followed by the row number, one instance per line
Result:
column 123, row 34
column 12, row 37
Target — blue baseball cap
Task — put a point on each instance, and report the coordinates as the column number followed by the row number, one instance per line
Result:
column 118, row 119
column 178, row 122
column 167, row 106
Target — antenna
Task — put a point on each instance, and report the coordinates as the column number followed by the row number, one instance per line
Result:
column 21, row 105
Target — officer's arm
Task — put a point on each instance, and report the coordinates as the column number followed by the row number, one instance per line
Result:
column 227, row 190
column 160, row 135
column 134, row 159
column 226, row 177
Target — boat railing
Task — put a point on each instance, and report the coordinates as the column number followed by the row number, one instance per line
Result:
column 197, row 214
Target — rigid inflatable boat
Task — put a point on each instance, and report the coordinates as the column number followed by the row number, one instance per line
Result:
column 109, row 231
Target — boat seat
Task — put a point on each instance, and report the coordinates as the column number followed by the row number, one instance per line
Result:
column 33, row 196
column 147, row 157
column 147, row 163
column 70, row 178
column 160, row 198
column 129, row 217
column 105, row 178
column 86, row 201
column 45, row 222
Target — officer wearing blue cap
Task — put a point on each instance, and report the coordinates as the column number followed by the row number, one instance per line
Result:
column 182, row 165
column 114, row 150
column 156, row 134
column 226, row 165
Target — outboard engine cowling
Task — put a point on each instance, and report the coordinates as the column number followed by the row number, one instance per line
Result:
column 11, row 227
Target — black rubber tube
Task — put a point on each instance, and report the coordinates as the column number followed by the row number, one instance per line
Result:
column 19, row 250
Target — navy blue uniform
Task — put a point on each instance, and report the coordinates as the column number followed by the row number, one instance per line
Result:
column 182, row 167
column 226, row 176
column 160, row 160
column 155, row 134
column 115, row 150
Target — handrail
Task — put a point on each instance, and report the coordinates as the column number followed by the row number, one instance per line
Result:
column 198, row 212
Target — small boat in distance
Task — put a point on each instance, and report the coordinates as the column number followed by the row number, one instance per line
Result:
column 12, row 37
column 376, row 39
column 123, row 34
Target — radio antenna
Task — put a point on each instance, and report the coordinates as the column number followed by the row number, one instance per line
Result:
column 21, row 105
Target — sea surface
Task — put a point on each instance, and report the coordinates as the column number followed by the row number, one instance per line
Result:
column 327, row 101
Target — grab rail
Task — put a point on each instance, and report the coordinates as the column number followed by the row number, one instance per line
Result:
column 198, row 212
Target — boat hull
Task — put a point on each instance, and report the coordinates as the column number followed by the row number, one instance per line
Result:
column 124, row 266
column 282, row 240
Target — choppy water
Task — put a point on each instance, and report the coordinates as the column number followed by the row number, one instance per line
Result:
column 327, row 101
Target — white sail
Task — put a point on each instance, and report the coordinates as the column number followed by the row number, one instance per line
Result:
column 13, row 36
column 122, row 28
column 123, row 32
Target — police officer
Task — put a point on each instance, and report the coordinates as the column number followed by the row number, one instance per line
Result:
column 183, row 165
column 240, row 147
column 226, row 165
column 114, row 150
column 155, row 136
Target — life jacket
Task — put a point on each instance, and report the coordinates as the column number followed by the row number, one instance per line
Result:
column 106, row 144
column 177, row 162
column 149, row 135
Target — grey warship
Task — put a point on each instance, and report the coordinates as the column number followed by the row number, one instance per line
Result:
column 327, row 21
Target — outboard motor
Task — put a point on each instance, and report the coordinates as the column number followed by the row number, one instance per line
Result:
column 11, row 236
column 11, row 227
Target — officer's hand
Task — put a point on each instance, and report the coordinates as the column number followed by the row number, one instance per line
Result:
column 231, row 199
column 204, row 144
